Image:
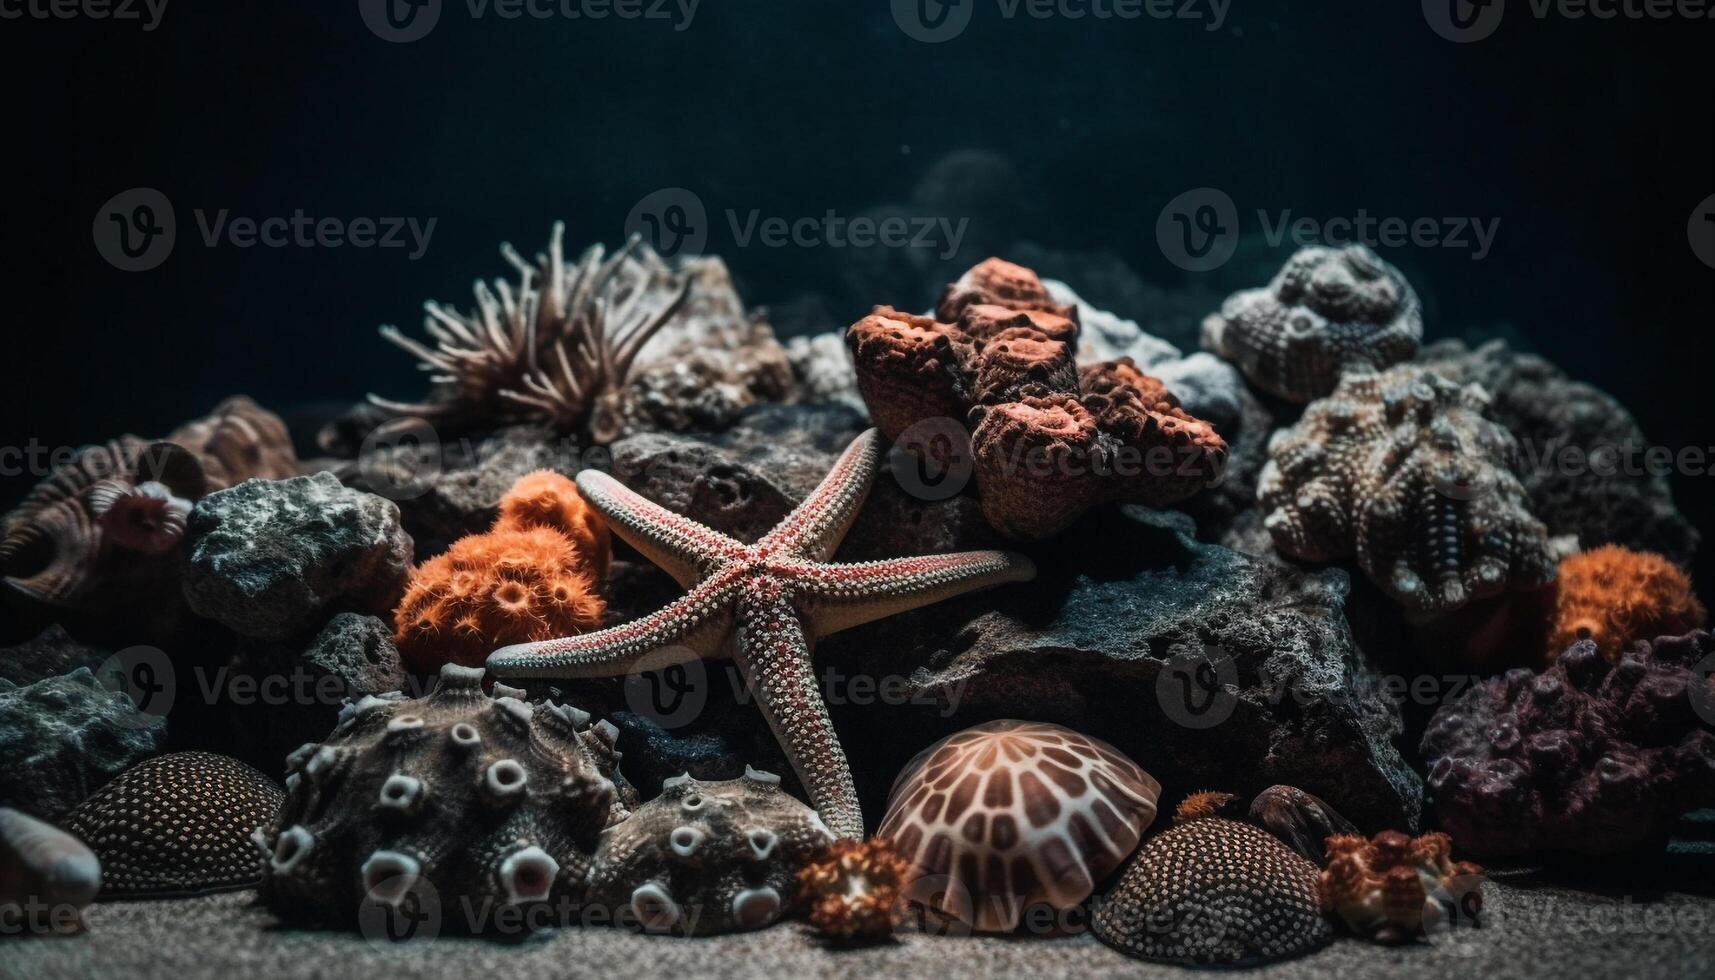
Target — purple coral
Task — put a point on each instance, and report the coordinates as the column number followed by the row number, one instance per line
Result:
column 1585, row 756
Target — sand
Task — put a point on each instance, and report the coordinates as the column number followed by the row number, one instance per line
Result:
column 1535, row 929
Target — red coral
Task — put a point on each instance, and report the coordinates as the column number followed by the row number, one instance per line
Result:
column 1394, row 888
column 1614, row 596
column 852, row 890
column 1049, row 440
column 533, row 576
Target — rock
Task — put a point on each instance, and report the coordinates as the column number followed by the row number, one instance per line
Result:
column 65, row 737
column 279, row 696
column 823, row 370
column 1555, row 418
column 53, row 652
column 268, row 558
column 1127, row 628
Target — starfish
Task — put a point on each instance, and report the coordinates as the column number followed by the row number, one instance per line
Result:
column 773, row 598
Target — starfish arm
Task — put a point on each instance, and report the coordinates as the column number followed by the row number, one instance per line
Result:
column 816, row 526
column 774, row 657
column 836, row 597
column 694, row 626
column 682, row 547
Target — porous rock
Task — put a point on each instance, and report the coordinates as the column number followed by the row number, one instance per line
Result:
column 50, row 653
column 65, row 737
column 269, row 558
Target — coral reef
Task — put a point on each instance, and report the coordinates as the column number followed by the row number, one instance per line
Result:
column 707, row 857
column 269, row 558
column 1401, row 470
column 483, row 798
column 42, row 867
column 1614, row 596
column 1213, row 891
column 65, row 737
column 1394, row 888
column 1303, row 820
column 1012, row 814
column 534, row 576
column 765, row 602
column 556, row 348
column 1586, row 756
column 177, row 824
column 1048, row 440
column 853, row 890
column 1586, row 467
column 1328, row 311
column 96, row 531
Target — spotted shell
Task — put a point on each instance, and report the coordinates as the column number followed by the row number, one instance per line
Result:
column 177, row 824
column 1213, row 891
column 1011, row 814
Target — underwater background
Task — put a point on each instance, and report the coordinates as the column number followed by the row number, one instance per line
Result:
column 1583, row 144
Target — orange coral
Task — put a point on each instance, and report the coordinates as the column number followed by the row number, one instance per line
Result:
column 1616, row 596
column 852, row 889
column 1394, row 888
column 533, row 576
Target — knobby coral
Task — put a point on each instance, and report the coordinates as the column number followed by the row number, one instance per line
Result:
column 478, row 798
column 1010, row 814
column 556, row 348
column 178, row 824
column 1402, row 470
column 1394, row 888
column 100, row 526
column 853, row 890
column 1047, row 440
column 1329, row 311
column 1586, row 756
column 1213, row 891
column 707, row 856
column 1614, row 596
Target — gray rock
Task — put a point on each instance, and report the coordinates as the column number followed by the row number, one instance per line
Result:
column 823, row 369
column 268, row 558
column 64, row 737
column 51, row 653
column 1128, row 627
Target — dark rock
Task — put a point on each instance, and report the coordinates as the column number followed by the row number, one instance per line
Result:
column 277, row 697
column 53, row 652
column 269, row 558
column 1583, row 460
column 1303, row 820
column 1586, row 756
column 1128, row 628
column 64, row 737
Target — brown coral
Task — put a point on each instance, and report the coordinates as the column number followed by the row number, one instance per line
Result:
column 1403, row 471
column 1614, row 596
column 556, row 348
column 851, row 890
column 1393, row 888
column 97, row 530
column 533, row 576
column 1048, row 440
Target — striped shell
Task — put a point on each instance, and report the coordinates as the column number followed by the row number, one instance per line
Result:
column 1011, row 814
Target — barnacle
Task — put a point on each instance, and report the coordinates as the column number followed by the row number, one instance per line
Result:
column 555, row 348
column 1393, row 888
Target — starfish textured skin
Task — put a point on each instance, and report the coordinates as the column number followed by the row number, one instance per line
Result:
column 774, row 598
